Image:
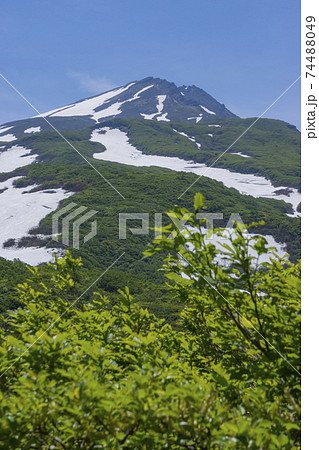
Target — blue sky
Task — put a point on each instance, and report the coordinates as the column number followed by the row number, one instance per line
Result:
column 244, row 53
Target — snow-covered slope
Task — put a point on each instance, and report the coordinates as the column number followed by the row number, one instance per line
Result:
column 88, row 106
column 118, row 149
column 150, row 98
column 21, row 209
column 15, row 157
column 5, row 136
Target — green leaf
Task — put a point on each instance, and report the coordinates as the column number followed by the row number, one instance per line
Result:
column 198, row 201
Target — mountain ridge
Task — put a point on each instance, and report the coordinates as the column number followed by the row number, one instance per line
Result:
column 136, row 99
column 150, row 98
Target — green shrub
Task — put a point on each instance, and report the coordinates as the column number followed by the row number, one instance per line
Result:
column 91, row 375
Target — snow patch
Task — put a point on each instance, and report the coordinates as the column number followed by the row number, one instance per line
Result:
column 21, row 210
column 191, row 138
column 33, row 130
column 118, row 149
column 207, row 110
column 148, row 116
column 198, row 119
column 7, row 138
column 15, row 157
column 229, row 233
column 240, row 154
column 137, row 95
column 161, row 100
column 226, row 239
column 30, row 255
column 4, row 129
column 112, row 110
column 115, row 109
column 219, row 126
column 86, row 107
column 161, row 117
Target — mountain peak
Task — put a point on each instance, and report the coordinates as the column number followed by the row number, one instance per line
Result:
column 150, row 98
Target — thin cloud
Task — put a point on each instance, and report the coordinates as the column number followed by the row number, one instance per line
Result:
column 94, row 85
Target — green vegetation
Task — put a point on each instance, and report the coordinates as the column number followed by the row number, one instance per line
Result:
column 98, row 373
column 144, row 192
column 151, row 190
column 11, row 273
column 273, row 145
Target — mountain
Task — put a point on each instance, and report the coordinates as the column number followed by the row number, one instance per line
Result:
column 140, row 148
column 150, row 98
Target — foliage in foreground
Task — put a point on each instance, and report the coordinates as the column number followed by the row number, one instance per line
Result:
column 94, row 376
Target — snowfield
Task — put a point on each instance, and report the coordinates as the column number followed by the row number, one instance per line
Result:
column 115, row 109
column 33, row 130
column 229, row 233
column 89, row 107
column 31, row 255
column 118, row 149
column 163, row 118
column 137, row 95
column 15, row 157
column 207, row 110
column 21, row 210
column 7, row 138
column 4, row 129
column 191, row 138
column 280, row 249
column 86, row 107
column 159, row 116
